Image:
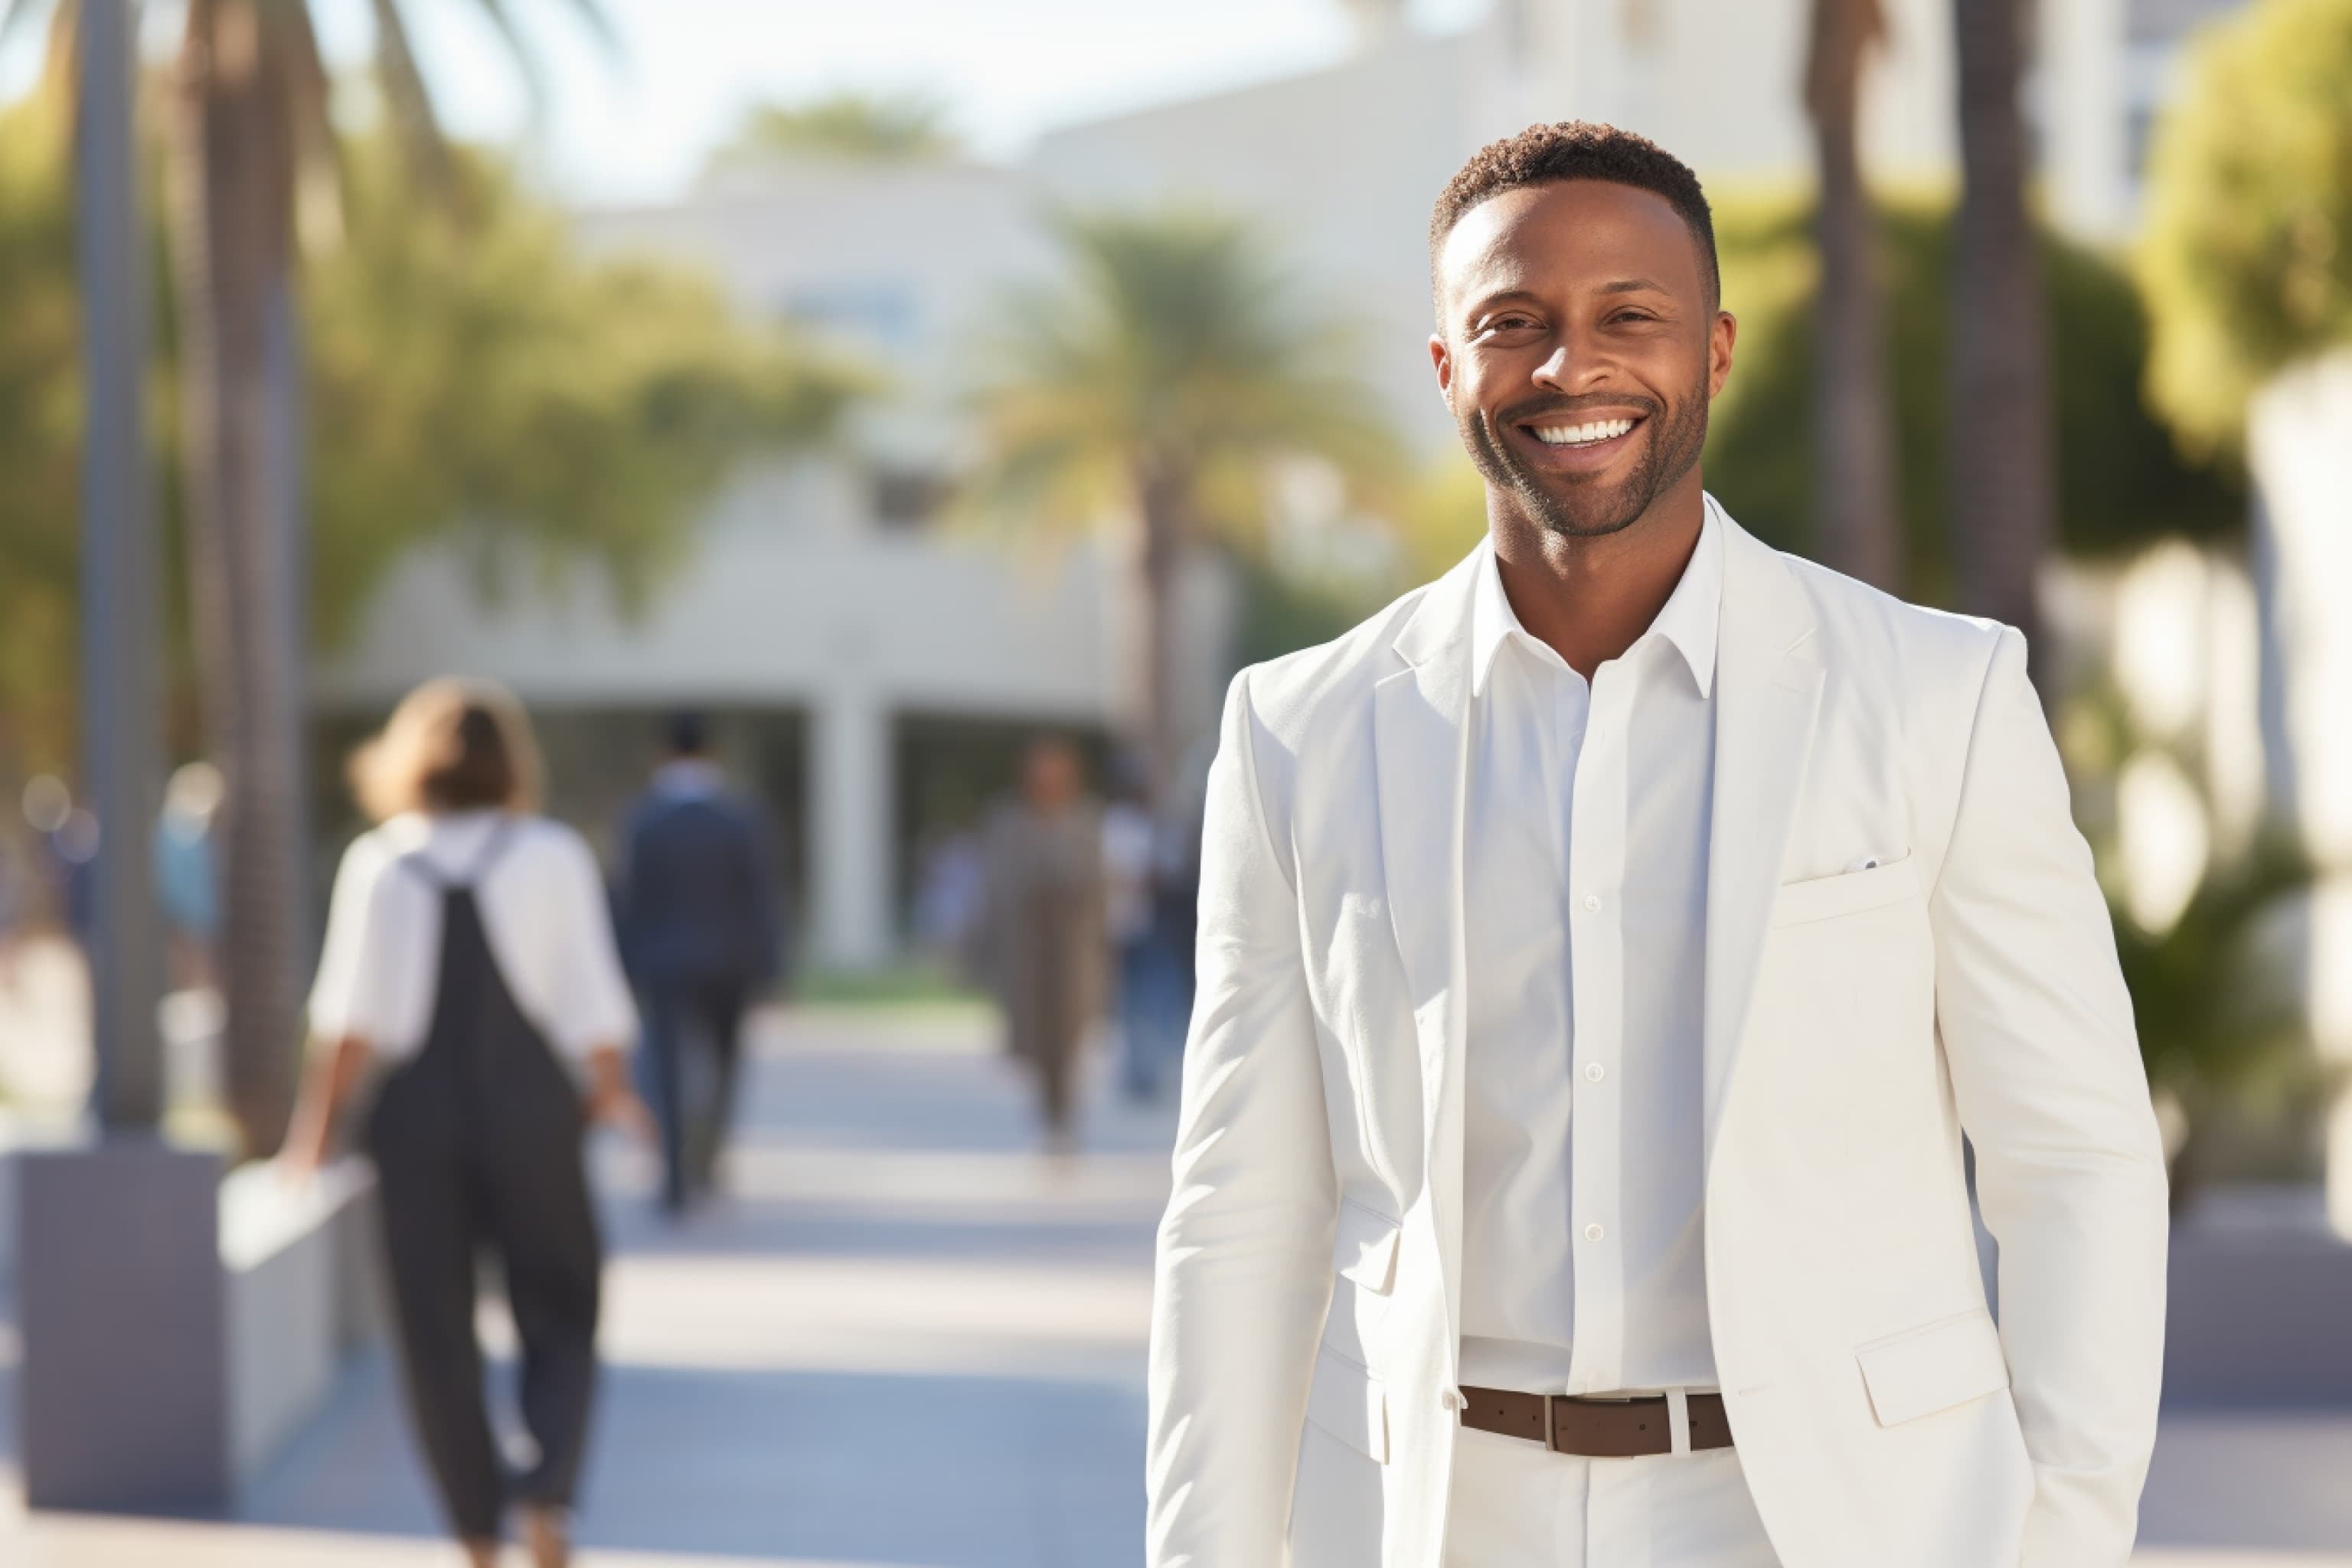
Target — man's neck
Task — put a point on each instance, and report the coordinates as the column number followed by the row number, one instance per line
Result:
column 1592, row 598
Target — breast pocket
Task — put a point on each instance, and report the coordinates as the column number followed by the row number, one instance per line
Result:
column 1850, row 892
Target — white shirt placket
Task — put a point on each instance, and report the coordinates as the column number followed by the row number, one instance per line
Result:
column 1596, row 860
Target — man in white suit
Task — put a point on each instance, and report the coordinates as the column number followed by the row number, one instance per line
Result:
column 1603, row 951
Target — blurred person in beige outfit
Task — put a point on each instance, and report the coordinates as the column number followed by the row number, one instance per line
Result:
column 1041, row 940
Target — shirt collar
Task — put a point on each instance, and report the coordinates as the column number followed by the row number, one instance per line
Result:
column 1688, row 619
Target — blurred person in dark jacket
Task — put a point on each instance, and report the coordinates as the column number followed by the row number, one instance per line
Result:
column 1041, row 943
column 701, row 933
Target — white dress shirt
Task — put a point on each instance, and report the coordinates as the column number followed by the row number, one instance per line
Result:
column 543, row 912
column 1586, row 867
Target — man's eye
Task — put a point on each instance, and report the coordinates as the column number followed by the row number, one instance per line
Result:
column 1632, row 316
column 1508, row 323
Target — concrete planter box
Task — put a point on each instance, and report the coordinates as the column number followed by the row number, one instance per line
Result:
column 178, row 1327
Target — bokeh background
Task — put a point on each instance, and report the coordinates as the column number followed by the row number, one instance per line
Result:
column 899, row 384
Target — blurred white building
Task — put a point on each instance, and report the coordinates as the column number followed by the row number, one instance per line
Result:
column 824, row 592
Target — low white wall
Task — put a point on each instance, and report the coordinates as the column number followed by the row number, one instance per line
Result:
column 292, row 1271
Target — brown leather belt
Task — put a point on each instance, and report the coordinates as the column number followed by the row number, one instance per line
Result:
column 1595, row 1428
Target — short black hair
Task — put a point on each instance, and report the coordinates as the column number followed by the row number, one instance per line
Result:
column 688, row 731
column 1578, row 150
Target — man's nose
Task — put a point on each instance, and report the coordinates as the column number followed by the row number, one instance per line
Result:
column 1574, row 363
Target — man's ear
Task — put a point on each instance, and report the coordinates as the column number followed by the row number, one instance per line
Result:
column 1442, row 358
column 1720, row 338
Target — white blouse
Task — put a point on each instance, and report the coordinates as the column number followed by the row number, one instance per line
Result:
column 543, row 911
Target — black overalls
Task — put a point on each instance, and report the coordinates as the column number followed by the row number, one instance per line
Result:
column 477, row 1140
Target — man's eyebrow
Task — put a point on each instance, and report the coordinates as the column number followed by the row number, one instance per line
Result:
column 1500, row 297
column 1633, row 286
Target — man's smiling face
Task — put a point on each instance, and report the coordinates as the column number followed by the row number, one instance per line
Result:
column 1580, row 344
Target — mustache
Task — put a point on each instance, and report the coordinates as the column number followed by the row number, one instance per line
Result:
column 1537, row 409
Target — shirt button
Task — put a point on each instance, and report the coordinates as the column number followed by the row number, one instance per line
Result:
column 1594, row 1233
column 1592, row 900
column 1595, row 1072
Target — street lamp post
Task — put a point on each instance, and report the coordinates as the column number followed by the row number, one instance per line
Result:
column 123, row 1392
column 120, row 597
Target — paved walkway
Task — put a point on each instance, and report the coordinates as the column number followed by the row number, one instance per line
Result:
column 908, row 1342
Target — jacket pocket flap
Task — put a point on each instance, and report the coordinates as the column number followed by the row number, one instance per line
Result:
column 1934, row 1367
column 1349, row 1403
column 1821, row 897
column 1366, row 1249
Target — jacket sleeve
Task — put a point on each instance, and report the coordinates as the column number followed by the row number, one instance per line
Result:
column 2037, row 1031
column 1244, row 1252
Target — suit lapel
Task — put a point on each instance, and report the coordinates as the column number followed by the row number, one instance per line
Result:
column 1421, row 734
column 1768, row 700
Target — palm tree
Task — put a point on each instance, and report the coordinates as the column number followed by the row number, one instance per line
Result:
column 846, row 127
column 1156, row 385
column 2004, row 483
column 251, row 151
column 1855, row 504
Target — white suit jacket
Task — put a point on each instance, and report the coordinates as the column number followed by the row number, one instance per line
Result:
column 1855, row 1024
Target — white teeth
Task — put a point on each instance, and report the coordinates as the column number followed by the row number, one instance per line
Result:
column 1581, row 435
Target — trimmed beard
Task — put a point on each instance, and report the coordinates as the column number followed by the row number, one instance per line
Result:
column 1678, row 435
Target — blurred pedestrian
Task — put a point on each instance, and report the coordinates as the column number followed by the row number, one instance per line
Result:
column 469, row 980
column 950, row 885
column 187, row 872
column 701, row 931
column 1041, row 943
column 1143, row 879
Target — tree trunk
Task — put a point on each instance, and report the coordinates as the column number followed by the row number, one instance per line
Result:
column 232, row 163
column 2004, row 485
column 1855, row 503
column 1163, row 505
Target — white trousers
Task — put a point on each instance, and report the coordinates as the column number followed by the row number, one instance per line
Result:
column 1516, row 1505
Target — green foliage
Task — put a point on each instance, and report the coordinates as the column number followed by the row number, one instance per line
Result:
column 40, row 436
column 2121, row 483
column 2212, row 1027
column 1175, row 347
column 848, row 127
column 468, row 378
column 474, row 378
column 1280, row 614
column 2222, row 1027
column 2247, row 254
column 1439, row 515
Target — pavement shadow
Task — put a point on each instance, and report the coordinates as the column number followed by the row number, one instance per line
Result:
column 851, row 1468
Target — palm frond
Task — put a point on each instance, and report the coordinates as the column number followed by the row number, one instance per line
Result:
column 317, row 156
column 526, row 59
column 408, row 101
column 599, row 21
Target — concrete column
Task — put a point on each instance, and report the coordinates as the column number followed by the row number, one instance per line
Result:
column 2080, row 96
column 853, row 801
column 2299, row 445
